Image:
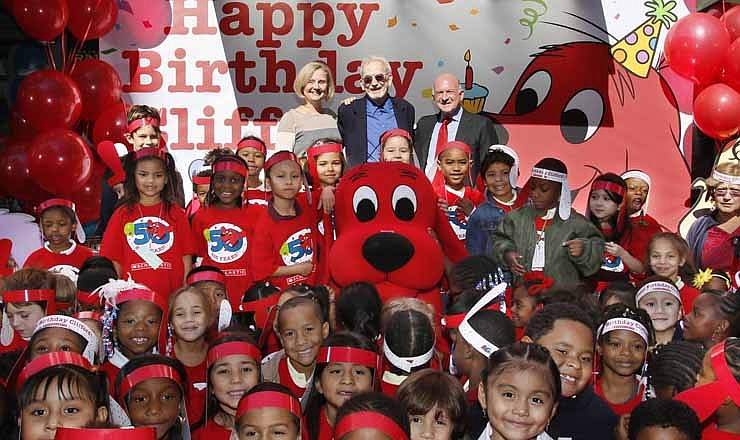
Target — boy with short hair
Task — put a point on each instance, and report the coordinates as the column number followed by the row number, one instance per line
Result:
column 567, row 332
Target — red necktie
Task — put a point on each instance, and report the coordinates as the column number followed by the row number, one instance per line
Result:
column 438, row 182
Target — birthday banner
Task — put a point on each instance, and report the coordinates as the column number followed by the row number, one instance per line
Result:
column 582, row 81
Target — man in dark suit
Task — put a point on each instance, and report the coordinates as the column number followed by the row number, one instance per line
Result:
column 475, row 130
column 362, row 121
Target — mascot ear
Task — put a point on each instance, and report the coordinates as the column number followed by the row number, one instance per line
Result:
column 452, row 247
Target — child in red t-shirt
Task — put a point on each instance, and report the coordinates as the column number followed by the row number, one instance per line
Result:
column 222, row 231
column 254, row 151
column 60, row 254
column 453, row 162
column 325, row 165
column 148, row 236
column 284, row 252
column 134, row 323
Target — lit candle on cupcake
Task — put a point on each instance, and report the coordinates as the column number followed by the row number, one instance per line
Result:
column 475, row 94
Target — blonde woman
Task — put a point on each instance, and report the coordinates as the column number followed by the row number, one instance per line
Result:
column 300, row 127
column 713, row 238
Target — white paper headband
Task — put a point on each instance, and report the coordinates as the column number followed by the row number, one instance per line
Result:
column 73, row 325
column 562, row 178
column 514, row 172
column 406, row 363
column 725, row 178
column 469, row 334
column 623, row 324
column 657, row 286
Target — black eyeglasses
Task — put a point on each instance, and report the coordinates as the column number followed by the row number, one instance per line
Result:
column 380, row 78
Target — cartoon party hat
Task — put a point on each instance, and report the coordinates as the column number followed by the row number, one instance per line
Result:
column 636, row 50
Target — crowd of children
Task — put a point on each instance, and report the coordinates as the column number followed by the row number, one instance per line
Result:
column 220, row 321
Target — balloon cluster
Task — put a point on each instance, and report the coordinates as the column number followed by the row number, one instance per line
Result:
column 705, row 48
column 46, row 155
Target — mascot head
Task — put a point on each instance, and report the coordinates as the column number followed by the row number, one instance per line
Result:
column 383, row 214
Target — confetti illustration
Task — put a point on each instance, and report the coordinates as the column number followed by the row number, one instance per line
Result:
column 393, row 21
column 474, row 11
column 454, row 27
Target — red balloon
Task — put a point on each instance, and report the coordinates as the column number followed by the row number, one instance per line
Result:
column 91, row 19
column 87, row 199
column 142, row 24
column 695, row 47
column 731, row 69
column 42, row 20
column 60, row 161
column 48, row 99
column 100, row 86
column 14, row 170
column 717, row 111
column 731, row 19
column 111, row 125
column 20, row 127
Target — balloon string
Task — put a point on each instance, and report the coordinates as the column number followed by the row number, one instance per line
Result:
column 50, row 56
column 64, row 51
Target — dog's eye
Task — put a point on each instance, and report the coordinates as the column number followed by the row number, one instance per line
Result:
column 365, row 203
column 582, row 116
column 404, row 202
column 533, row 92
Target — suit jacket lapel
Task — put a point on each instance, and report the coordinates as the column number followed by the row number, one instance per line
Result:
column 361, row 113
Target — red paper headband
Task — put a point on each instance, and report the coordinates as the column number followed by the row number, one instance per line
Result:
column 261, row 309
column 706, row 399
column 279, row 157
column 206, row 275
column 395, row 132
column 145, row 373
column 228, row 165
column 138, row 123
column 88, row 314
column 372, row 420
column 127, row 433
column 143, row 295
column 202, row 180
column 88, row 298
column 251, row 143
column 49, row 360
column 57, row 202
column 269, row 399
column 537, row 282
column 150, row 152
column 454, row 144
column 608, row 186
column 28, row 295
column 454, row 320
column 231, row 348
column 350, row 355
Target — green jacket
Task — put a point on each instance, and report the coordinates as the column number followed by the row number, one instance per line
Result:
column 517, row 233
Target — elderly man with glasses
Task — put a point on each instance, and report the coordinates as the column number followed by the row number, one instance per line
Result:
column 362, row 121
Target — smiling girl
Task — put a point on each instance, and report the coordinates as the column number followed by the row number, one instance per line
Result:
column 669, row 256
column 148, row 235
column 233, row 370
column 222, row 230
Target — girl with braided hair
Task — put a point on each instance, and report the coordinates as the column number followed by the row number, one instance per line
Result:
column 713, row 318
column 673, row 367
column 716, row 397
column 623, row 339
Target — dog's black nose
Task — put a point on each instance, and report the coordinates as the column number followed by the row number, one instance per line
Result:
column 387, row 251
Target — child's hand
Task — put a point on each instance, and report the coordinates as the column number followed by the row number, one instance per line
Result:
column 304, row 269
column 513, row 259
column 118, row 189
column 327, row 199
column 467, row 206
column 575, row 247
column 442, row 204
column 614, row 249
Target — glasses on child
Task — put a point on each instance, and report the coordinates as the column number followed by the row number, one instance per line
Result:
column 380, row 78
column 721, row 192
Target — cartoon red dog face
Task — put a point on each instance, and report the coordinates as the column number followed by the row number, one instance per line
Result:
column 383, row 212
column 574, row 102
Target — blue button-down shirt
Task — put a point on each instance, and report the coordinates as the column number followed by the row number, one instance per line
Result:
column 379, row 120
